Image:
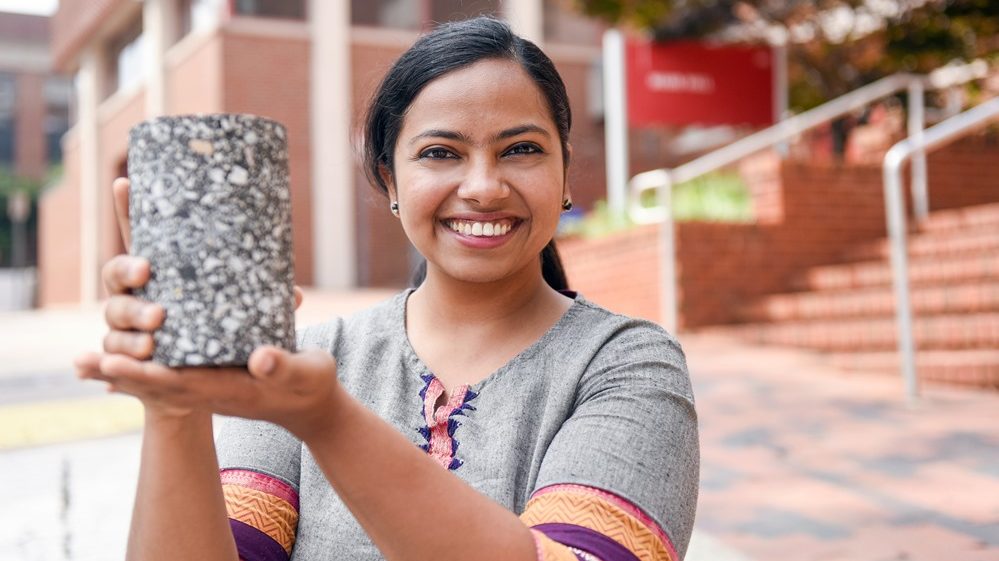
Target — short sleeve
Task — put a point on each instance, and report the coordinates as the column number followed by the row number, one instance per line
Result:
column 619, row 480
column 260, row 467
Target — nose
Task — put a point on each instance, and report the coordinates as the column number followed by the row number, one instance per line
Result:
column 483, row 183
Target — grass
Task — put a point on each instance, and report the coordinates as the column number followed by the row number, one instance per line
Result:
column 716, row 197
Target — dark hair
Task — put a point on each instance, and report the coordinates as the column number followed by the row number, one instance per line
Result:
column 447, row 48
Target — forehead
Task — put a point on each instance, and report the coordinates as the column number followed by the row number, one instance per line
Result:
column 480, row 99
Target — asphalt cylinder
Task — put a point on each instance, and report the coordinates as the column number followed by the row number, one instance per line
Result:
column 210, row 208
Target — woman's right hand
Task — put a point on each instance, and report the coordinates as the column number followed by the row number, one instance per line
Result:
column 131, row 320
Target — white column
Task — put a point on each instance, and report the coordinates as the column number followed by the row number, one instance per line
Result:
column 615, row 121
column 158, row 29
column 88, row 90
column 333, row 239
column 526, row 18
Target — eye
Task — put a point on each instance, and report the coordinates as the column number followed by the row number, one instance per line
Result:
column 524, row 148
column 437, row 153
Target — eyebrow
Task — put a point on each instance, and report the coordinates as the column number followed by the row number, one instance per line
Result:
column 454, row 135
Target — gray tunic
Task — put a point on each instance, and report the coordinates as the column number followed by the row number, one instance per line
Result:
column 600, row 400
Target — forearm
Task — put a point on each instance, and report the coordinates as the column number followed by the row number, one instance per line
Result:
column 179, row 509
column 411, row 508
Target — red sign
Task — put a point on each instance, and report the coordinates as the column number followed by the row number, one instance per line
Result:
column 687, row 83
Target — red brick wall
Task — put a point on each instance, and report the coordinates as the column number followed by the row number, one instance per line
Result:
column 32, row 159
column 59, row 234
column 269, row 76
column 722, row 268
column 75, row 22
column 113, row 135
column 965, row 172
column 194, row 84
column 382, row 247
column 620, row 272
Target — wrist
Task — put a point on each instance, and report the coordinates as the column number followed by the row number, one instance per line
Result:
column 329, row 417
column 173, row 418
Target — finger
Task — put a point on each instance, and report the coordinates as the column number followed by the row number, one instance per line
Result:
column 132, row 344
column 123, row 272
column 88, row 366
column 299, row 296
column 127, row 312
column 119, row 191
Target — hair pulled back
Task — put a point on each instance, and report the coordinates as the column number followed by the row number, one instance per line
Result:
column 447, row 48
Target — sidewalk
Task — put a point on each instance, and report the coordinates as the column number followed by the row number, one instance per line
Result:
column 799, row 462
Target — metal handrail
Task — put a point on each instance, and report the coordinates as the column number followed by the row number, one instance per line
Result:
column 663, row 180
column 895, row 212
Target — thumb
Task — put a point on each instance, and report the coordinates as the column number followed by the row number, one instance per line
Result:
column 268, row 362
column 275, row 362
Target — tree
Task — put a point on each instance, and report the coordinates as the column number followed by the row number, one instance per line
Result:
column 835, row 46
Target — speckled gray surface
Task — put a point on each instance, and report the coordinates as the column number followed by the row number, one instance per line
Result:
column 210, row 209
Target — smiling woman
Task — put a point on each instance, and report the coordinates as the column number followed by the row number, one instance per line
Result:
column 487, row 413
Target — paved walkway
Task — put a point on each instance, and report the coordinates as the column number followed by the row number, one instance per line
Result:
column 799, row 461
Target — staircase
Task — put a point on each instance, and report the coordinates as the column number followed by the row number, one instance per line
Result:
column 847, row 309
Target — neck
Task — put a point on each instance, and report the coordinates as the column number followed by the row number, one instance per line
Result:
column 448, row 301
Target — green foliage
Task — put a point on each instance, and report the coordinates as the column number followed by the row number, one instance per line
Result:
column 716, row 197
column 11, row 183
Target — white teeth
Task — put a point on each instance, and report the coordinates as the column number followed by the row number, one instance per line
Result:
column 480, row 229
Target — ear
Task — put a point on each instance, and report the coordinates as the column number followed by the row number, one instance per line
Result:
column 566, row 193
column 386, row 177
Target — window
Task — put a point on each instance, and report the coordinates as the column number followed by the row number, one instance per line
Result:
column 126, row 53
column 198, row 15
column 286, row 9
column 58, row 93
column 415, row 14
column 453, row 10
column 8, row 94
column 396, row 14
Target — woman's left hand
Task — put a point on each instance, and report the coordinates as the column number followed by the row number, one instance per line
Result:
column 298, row 391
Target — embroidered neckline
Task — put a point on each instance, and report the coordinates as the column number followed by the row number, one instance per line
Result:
column 441, row 423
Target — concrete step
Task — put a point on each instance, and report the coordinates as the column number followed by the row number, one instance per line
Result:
column 966, row 297
column 923, row 271
column 941, row 332
column 978, row 368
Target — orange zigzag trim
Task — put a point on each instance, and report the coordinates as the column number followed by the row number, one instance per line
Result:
column 269, row 514
column 566, row 507
column 551, row 550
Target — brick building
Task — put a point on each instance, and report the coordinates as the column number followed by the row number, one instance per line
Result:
column 310, row 64
column 34, row 113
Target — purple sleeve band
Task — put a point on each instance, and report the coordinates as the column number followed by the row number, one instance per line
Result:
column 587, row 540
column 254, row 545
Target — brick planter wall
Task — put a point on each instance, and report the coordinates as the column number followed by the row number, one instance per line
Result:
column 815, row 215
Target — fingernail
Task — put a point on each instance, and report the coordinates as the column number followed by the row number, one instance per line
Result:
column 150, row 314
column 267, row 364
column 135, row 272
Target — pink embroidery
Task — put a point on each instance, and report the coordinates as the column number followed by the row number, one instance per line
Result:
column 260, row 482
column 617, row 501
column 441, row 444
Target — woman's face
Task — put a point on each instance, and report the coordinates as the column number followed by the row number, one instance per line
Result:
column 479, row 173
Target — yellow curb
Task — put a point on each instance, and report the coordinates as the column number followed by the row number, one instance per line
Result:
column 49, row 422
